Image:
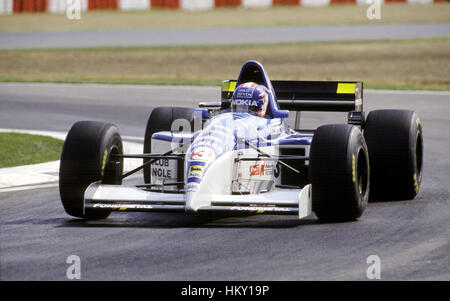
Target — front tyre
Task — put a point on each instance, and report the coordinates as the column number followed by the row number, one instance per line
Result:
column 86, row 158
column 339, row 173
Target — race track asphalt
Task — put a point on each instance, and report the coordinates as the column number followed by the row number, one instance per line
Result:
column 36, row 235
column 219, row 36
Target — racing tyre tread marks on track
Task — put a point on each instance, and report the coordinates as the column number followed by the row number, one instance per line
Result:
column 161, row 119
column 86, row 158
column 339, row 173
column 395, row 142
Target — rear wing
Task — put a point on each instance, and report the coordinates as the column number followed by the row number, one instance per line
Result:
column 310, row 95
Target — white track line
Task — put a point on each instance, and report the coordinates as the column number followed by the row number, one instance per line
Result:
column 28, row 187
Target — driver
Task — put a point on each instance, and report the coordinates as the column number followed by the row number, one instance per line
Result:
column 250, row 98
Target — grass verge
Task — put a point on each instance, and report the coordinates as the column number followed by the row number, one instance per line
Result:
column 410, row 64
column 22, row 149
column 228, row 17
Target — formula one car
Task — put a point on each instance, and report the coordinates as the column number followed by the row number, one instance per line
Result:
column 240, row 155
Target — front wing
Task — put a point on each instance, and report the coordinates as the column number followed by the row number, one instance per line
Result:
column 130, row 198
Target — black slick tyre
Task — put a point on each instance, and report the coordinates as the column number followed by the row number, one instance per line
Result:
column 339, row 173
column 395, row 142
column 86, row 158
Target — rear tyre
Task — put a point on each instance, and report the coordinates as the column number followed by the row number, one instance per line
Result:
column 161, row 119
column 86, row 158
column 395, row 142
column 339, row 173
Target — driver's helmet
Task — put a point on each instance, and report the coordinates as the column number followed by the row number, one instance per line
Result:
column 250, row 98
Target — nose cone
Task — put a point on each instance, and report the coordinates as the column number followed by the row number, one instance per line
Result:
column 216, row 180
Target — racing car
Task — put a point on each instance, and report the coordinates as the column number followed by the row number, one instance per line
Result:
column 241, row 155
